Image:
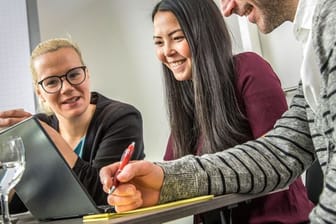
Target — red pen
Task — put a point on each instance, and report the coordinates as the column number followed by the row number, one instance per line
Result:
column 125, row 158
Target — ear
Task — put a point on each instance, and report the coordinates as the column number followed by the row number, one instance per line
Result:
column 87, row 73
column 39, row 94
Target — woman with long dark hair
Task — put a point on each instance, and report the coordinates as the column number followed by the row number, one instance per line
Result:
column 217, row 100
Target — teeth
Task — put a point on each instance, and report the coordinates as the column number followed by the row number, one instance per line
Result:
column 176, row 63
column 71, row 100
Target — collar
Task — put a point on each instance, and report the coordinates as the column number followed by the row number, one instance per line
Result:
column 303, row 19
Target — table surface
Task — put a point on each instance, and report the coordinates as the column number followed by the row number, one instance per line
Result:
column 158, row 216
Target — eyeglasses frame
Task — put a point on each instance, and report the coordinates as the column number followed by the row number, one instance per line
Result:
column 61, row 78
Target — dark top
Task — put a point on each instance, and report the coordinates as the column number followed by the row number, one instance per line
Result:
column 113, row 127
column 263, row 102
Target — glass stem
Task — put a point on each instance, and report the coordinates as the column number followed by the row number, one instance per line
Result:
column 5, row 208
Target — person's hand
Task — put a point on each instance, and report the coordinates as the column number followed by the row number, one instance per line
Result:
column 227, row 7
column 140, row 185
column 11, row 117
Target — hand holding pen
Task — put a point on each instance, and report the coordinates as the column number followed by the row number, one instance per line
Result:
column 141, row 184
column 125, row 158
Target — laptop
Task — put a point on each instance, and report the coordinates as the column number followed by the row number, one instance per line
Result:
column 49, row 188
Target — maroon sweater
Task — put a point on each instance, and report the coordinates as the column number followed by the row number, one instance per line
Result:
column 263, row 102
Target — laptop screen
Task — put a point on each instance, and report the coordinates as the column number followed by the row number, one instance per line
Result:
column 48, row 188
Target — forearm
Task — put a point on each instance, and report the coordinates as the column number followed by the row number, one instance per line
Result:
column 270, row 162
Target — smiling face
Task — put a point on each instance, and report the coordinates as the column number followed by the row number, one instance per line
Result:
column 71, row 101
column 267, row 14
column 172, row 48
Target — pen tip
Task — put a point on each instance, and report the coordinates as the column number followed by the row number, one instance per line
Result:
column 112, row 189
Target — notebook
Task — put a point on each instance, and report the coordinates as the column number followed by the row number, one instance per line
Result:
column 106, row 216
column 49, row 188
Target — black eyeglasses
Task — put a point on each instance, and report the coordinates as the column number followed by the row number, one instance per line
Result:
column 74, row 76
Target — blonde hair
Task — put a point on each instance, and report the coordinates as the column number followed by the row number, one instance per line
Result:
column 50, row 46
column 46, row 47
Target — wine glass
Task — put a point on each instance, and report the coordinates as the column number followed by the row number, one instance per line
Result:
column 12, row 164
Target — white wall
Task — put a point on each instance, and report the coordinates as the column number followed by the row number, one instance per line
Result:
column 16, row 89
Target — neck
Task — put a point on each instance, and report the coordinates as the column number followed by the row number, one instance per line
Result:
column 72, row 130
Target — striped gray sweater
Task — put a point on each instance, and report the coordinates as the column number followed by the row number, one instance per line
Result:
column 276, row 159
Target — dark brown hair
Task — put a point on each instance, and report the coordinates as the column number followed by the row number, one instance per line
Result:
column 204, row 111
